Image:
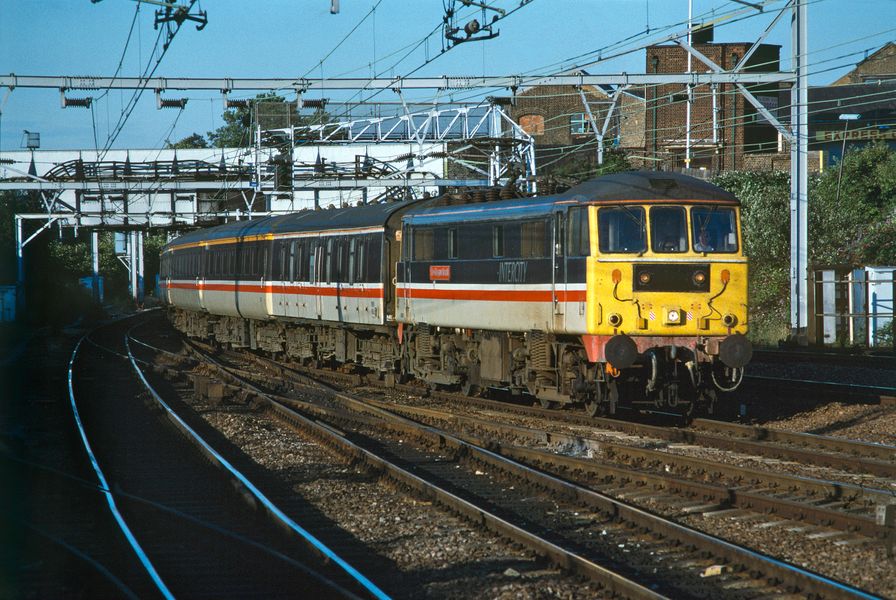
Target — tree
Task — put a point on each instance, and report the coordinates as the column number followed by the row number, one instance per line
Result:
column 855, row 227
column 765, row 219
column 272, row 111
column 858, row 227
column 191, row 141
column 237, row 129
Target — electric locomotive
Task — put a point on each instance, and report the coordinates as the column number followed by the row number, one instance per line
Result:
column 625, row 291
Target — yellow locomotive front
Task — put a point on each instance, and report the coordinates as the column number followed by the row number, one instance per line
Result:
column 667, row 300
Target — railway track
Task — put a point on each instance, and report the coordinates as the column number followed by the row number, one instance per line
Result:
column 880, row 360
column 705, row 485
column 541, row 490
column 824, row 390
column 183, row 513
column 830, row 452
column 857, row 378
column 58, row 537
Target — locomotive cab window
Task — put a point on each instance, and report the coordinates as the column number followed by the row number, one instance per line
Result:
column 668, row 229
column 622, row 230
column 577, row 230
column 713, row 229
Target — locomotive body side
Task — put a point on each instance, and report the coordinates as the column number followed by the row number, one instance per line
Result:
column 489, row 267
column 628, row 289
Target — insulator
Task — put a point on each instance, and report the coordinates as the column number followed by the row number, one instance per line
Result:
column 236, row 103
column 172, row 103
column 472, row 27
column 317, row 103
column 78, row 102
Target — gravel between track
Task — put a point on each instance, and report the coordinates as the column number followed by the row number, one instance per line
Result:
column 437, row 554
column 863, row 565
column 869, row 423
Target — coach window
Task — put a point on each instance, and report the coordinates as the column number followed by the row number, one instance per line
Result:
column 622, row 230
column 423, row 243
column 360, row 256
column 352, row 253
column 328, row 259
column 497, row 241
column 297, row 265
column 668, row 229
column 374, row 262
column 577, row 230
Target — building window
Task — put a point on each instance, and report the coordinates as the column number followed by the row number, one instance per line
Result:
column 579, row 123
column 532, row 124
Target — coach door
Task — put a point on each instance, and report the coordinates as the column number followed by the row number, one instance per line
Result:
column 558, row 279
column 315, row 273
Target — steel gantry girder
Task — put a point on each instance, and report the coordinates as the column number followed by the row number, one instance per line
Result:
column 225, row 84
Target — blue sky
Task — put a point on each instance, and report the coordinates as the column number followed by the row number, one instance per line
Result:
column 281, row 38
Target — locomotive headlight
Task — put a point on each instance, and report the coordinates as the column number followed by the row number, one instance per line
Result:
column 644, row 277
column 673, row 316
column 729, row 320
column 699, row 278
column 615, row 320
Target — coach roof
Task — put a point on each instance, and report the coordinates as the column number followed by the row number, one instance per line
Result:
column 369, row 215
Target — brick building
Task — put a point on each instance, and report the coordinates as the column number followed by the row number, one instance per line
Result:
column 878, row 66
column 556, row 117
column 727, row 133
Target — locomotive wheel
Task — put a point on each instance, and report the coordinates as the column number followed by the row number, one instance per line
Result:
column 548, row 404
column 596, row 408
column 596, row 405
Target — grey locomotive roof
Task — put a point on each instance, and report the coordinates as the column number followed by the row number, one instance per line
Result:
column 646, row 185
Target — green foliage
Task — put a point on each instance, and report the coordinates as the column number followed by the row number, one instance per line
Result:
column 859, row 228
column 191, row 141
column 10, row 204
column 886, row 335
column 765, row 210
column 236, row 131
